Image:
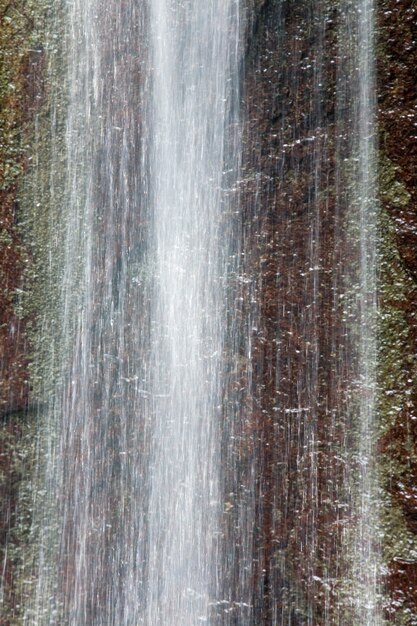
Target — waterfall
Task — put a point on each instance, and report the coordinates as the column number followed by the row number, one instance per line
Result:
column 367, row 565
column 207, row 415
column 128, row 532
column 194, row 80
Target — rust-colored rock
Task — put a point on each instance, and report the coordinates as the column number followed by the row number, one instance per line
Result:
column 402, row 580
column 397, row 117
column 13, row 342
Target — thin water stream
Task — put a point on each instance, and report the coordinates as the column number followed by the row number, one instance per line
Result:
column 210, row 405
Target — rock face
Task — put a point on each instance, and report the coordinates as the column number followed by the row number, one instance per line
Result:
column 397, row 118
column 295, row 201
column 297, row 254
column 13, row 345
column 22, row 69
column 21, row 90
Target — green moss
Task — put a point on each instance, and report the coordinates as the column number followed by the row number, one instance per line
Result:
column 397, row 369
column 20, row 28
column 393, row 190
column 41, row 200
column 22, row 34
column 17, row 452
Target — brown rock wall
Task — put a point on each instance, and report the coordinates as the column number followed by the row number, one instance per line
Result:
column 397, row 118
column 296, row 254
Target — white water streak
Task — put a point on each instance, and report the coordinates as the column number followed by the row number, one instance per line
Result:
column 194, row 70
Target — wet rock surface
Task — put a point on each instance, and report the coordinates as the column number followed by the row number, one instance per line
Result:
column 21, row 94
column 296, row 256
column 284, row 192
column 397, row 117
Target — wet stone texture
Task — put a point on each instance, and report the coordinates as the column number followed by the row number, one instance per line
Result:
column 21, row 96
column 296, row 258
column 397, row 118
column 13, row 348
column 21, row 93
column 296, row 426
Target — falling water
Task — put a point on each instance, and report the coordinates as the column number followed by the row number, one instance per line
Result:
column 193, row 50
column 366, row 557
column 208, row 405
column 132, row 443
